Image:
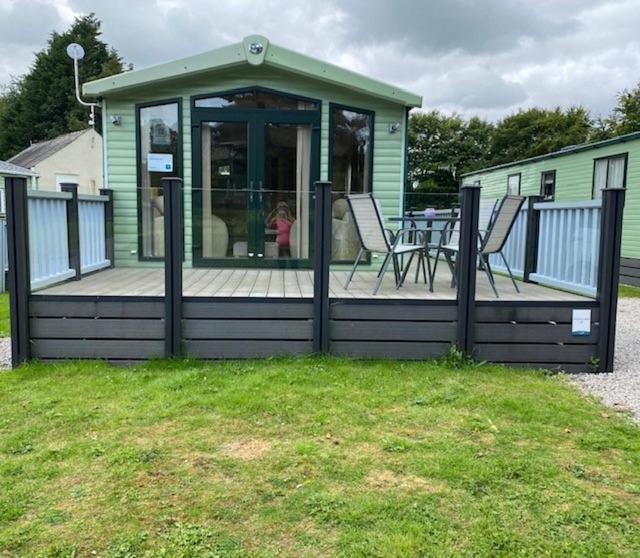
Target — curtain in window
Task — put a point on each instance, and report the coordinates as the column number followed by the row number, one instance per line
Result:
column 599, row 178
column 616, row 173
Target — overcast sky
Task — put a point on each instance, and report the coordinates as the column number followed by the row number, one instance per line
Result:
column 486, row 57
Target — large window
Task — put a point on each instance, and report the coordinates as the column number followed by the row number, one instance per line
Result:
column 513, row 184
column 256, row 98
column 548, row 185
column 351, row 166
column 609, row 172
column 159, row 156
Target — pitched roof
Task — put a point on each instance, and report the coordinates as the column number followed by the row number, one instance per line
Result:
column 42, row 150
column 249, row 52
column 561, row 152
column 14, row 170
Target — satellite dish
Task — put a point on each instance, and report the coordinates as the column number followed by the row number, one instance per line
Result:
column 75, row 51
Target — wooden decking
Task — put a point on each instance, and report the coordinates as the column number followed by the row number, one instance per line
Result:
column 288, row 283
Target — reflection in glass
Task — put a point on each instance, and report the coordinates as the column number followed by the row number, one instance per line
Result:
column 225, row 212
column 285, row 202
column 159, row 149
column 256, row 99
column 351, row 164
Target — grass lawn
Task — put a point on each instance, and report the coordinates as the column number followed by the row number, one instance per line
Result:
column 5, row 326
column 628, row 291
column 311, row 457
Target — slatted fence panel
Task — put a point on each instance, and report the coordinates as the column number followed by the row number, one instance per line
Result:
column 129, row 329
column 48, row 238
column 534, row 335
column 91, row 217
column 4, row 254
column 241, row 328
column 568, row 246
column 391, row 329
column 630, row 271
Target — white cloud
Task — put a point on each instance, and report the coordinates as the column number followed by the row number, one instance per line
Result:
column 488, row 58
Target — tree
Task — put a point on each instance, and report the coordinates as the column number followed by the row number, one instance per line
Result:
column 625, row 117
column 41, row 105
column 442, row 147
column 537, row 131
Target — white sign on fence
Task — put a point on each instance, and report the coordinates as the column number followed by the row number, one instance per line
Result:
column 581, row 322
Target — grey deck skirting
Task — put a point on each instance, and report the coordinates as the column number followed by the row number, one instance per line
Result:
column 630, row 271
column 535, row 336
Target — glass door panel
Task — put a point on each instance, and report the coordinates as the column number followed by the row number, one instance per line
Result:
column 226, row 214
column 283, row 212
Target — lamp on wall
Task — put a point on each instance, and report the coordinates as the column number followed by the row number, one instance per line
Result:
column 116, row 119
column 394, row 127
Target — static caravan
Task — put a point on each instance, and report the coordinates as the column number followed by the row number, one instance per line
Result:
column 249, row 128
column 575, row 174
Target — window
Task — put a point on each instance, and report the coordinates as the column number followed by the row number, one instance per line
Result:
column 350, row 170
column 513, row 184
column 159, row 151
column 609, row 172
column 548, row 185
column 256, row 99
column 351, row 150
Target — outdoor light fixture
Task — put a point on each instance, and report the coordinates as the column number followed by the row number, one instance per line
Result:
column 394, row 127
column 255, row 48
column 76, row 52
column 116, row 119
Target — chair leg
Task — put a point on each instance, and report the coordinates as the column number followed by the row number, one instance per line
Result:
column 405, row 271
column 435, row 266
column 353, row 269
column 417, row 267
column 383, row 270
column 487, row 270
column 515, row 285
column 430, row 273
column 452, row 268
column 396, row 269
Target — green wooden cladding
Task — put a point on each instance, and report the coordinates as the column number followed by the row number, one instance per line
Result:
column 574, row 180
column 389, row 148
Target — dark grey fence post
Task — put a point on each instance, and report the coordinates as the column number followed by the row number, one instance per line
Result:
column 531, row 239
column 173, row 251
column 609, row 273
column 321, row 262
column 466, row 266
column 108, row 224
column 73, row 227
column 19, row 279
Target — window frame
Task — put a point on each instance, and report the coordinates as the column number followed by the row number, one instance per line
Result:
column 148, row 104
column 519, row 175
column 542, row 175
column 624, row 155
column 372, row 115
column 259, row 88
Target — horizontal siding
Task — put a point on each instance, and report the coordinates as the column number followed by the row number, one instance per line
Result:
column 388, row 152
column 574, row 180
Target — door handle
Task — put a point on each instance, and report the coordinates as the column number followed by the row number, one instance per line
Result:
column 251, row 254
column 260, row 255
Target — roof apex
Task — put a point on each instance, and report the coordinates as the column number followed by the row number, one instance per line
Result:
column 254, row 50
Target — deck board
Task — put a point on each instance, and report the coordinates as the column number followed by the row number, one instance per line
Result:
column 209, row 282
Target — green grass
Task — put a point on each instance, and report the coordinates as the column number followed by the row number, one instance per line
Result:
column 628, row 291
column 5, row 326
column 311, row 457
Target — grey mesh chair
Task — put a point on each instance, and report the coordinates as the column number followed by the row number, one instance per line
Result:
column 492, row 241
column 375, row 238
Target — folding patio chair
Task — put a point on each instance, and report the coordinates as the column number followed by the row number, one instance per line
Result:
column 374, row 237
column 490, row 242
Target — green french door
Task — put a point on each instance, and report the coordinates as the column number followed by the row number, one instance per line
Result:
column 252, row 187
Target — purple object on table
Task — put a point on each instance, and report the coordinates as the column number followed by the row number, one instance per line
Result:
column 430, row 213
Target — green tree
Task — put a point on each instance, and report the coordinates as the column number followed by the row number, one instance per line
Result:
column 625, row 117
column 41, row 104
column 538, row 131
column 441, row 148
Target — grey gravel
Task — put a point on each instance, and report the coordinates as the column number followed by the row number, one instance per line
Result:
column 5, row 353
column 621, row 389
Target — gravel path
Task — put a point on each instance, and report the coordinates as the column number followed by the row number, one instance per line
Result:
column 622, row 388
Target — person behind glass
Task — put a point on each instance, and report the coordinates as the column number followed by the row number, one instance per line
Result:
column 281, row 220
